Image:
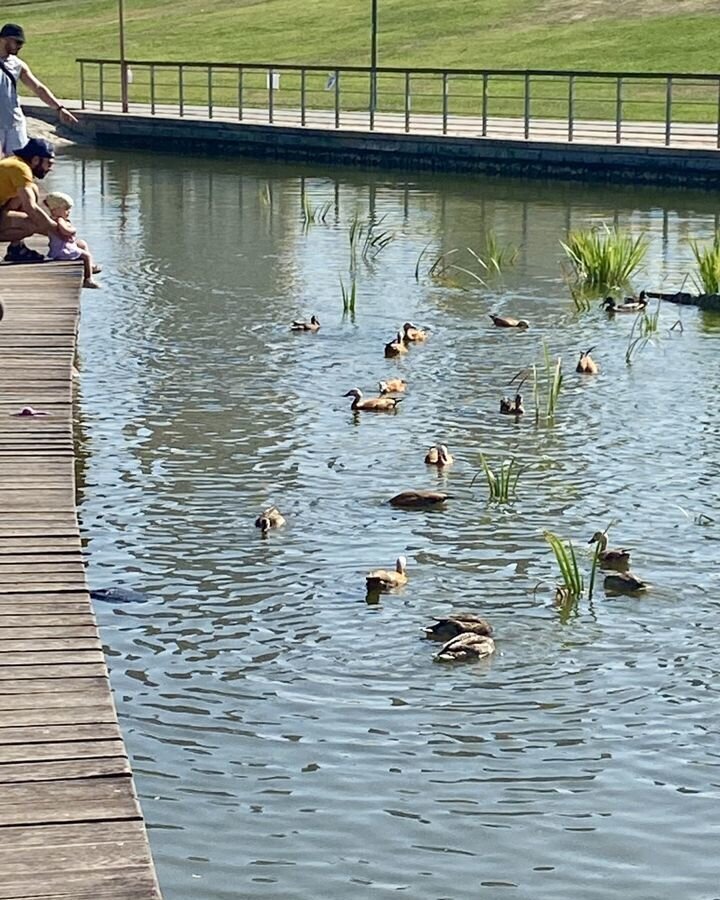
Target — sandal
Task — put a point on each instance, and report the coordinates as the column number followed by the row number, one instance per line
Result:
column 21, row 253
column 96, row 269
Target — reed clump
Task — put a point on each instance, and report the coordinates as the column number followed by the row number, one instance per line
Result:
column 707, row 277
column 490, row 260
column 572, row 586
column 547, row 385
column 605, row 257
column 502, row 483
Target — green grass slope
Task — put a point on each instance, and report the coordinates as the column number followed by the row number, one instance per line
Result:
column 640, row 36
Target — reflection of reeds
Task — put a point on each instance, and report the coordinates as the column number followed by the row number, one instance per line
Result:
column 502, row 484
column 605, row 257
column 707, row 278
column 314, row 215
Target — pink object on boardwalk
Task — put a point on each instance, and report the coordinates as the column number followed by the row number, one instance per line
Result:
column 28, row 411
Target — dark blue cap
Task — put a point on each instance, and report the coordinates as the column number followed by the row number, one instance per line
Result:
column 36, row 147
column 13, row 31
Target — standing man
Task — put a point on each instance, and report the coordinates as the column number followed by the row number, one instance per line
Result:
column 21, row 213
column 13, row 130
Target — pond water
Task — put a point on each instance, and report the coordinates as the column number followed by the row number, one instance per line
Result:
column 290, row 740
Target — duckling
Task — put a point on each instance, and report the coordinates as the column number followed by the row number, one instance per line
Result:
column 270, row 518
column 412, row 333
column 466, row 647
column 396, row 347
column 458, row 623
column 610, row 559
column 418, row 499
column 312, row 325
column 509, row 322
column 512, row 407
column 392, row 386
column 385, row 580
column 586, row 364
column 624, row 583
column 372, row 404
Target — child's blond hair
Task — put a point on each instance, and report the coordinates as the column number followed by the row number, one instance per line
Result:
column 56, row 200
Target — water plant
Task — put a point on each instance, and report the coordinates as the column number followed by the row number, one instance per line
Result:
column 573, row 582
column 490, row 260
column 605, row 257
column 502, row 485
column 707, row 278
column 314, row 215
column 349, row 295
column 644, row 329
column 367, row 239
column 546, row 390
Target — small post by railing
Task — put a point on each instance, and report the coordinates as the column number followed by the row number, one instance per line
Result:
column 526, row 106
column 484, row 104
column 210, row 91
column 668, row 110
column 101, row 85
column 271, row 95
column 152, row 89
column 181, row 91
column 407, row 102
column 571, row 107
column 82, row 85
column 618, row 109
column 302, row 97
column 337, row 98
column 717, row 142
column 373, row 98
column 240, row 94
column 444, row 102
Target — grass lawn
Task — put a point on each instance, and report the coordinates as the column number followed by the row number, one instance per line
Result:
column 642, row 36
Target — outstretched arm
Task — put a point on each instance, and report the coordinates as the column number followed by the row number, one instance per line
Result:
column 46, row 95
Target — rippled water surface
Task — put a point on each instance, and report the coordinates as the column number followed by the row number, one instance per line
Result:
column 290, row 740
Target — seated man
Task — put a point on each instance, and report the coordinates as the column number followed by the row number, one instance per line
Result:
column 20, row 211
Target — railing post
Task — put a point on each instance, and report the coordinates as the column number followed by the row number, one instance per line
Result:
column 484, row 103
column 210, row 92
column 444, row 102
column 240, row 94
column 181, row 91
column 717, row 141
column 82, row 85
column 526, row 109
column 571, row 108
column 101, row 86
column 337, row 98
column 618, row 109
column 271, row 79
column 302, row 97
column 668, row 110
column 407, row 101
column 373, row 98
column 152, row 89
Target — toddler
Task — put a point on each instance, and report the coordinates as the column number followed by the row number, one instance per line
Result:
column 59, row 206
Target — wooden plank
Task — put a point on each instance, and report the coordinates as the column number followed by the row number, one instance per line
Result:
column 77, row 695
column 61, row 671
column 45, row 658
column 103, row 856
column 56, row 626
column 81, row 835
column 63, row 715
column 27, row 753
column 125, row 884
column 9, row 645
column 51, row 685
column 30, row 793
column 63, row 769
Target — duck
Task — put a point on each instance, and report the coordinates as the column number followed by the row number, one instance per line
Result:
column 372, row 404
column 624, row 583
column 629, row 305
column 413, row 334
column 392, row 386
column 610, row 559
column 511, row 407
column 439, row 456
column 269, row 518
column 586, row 364
column 386, row 579
column 312, row 325
column 396, row 347
column 418, row 499
column 451, row 626
column 466, row 647
column 509, row 322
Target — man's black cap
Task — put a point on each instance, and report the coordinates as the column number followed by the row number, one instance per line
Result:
column 12, row 31
column 36, row 147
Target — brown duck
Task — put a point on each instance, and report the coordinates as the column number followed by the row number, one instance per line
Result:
column 610, row 559
column 458, row 623
column 270, row 518
column 466, row 647
column 312, row 325
column 392, row 386
column 586, row 364
column 386, row 579
column 510, row 407
column 396, row 347
column 509, row 322
column 418, row 499
column 372, row 404
column 624, row 583
column 413, row 334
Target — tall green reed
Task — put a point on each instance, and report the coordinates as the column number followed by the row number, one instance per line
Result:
column 707, row 277
column 502, row 483
column 605, row 257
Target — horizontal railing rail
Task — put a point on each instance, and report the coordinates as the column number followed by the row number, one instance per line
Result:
column 652, row 109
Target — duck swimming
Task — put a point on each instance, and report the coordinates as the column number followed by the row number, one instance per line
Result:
column 610, row 559
column 630, row 305
column 412, row 334
column 418, row 499
column 396, row 347
column 312, row 325
column 270, row 518
column 511, row 407
column 466, row 647
column 509, row 322
column 624, row 583
column 439, row 456
column 386, row 579
column 392, row 386
column 372, row 404
column 586, row 364
column 458, row 623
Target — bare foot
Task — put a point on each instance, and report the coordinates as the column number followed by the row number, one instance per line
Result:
column 89, row 283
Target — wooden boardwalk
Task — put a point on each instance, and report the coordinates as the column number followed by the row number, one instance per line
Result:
column 70, row 823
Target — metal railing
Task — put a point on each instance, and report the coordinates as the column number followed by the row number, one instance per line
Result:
column 649, row 109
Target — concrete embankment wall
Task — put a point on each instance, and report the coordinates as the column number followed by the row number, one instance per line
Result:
column 526, row 159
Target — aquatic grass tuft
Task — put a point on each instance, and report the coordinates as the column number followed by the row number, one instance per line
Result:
column 573, row 582
column 349, row 295
column 644, row 329
column 707, row 277
column 551, row 385
column 502, row 485
column 489, row 261
column 314, row 215
column 605, row 257
column 367, row 240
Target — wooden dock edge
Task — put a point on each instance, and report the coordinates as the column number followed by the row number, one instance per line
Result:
column 70, row 823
